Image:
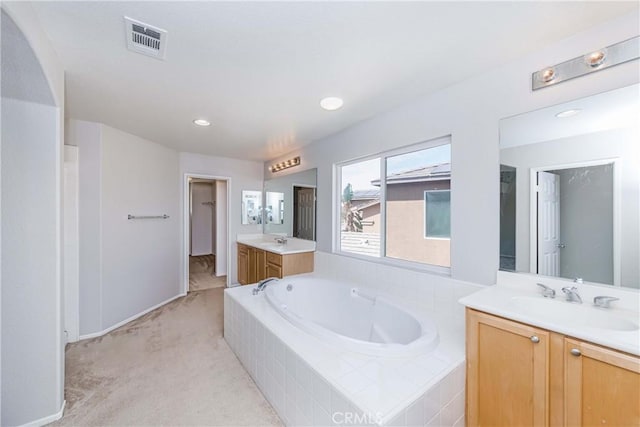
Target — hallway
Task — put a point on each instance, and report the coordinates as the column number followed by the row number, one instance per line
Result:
column 202, row 273
column 170, row 367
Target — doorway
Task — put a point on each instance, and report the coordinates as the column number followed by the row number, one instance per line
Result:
column 304, row 210
column 572, row 202
column 206, row 232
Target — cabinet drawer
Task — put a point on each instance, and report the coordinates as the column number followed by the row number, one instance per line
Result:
column 274, row 259
column 274, row 271
column 242, row 249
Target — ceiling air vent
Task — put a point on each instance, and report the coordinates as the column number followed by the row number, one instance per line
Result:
column 145, row 39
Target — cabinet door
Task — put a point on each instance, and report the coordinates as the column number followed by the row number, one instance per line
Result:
column 507, row 372
column 261, row 265
column 243, row 265
column 253, row 271
column 602, row 386
column 274, row 270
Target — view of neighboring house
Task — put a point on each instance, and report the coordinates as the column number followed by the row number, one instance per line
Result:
column 417, row 216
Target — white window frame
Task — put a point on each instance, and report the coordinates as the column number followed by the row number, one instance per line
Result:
column 424, row 223
column 337, row 194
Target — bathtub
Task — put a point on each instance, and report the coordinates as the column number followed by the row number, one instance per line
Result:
column 356, row 319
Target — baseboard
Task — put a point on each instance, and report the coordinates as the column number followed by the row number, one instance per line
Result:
column 125, row 321
column 48, row 419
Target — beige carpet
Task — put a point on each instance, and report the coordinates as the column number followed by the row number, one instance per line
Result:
column 202, row 273
column 170, row 367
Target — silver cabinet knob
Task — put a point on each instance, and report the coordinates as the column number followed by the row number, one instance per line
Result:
column 535, row 339
column 575, row 352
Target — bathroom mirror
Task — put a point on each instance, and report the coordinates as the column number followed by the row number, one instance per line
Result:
column 570, row 190
column 251, row 207
column 291, row 202
column 274, row 208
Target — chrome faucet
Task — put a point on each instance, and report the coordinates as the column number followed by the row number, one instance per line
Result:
column 263, row 284
column 547, row 292
column 281, row 240
column 572, row 294
column 603, row 301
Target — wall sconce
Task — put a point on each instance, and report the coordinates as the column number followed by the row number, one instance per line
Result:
column 285, row 165
column 600, row 59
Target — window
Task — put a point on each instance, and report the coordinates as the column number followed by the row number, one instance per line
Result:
column 437, row 214
column 396, row 205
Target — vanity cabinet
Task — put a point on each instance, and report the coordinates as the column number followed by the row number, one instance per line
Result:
column 602, row 385
column 507, row 372
column 518, row 374
column 251, row 264
column 243, row 264
column 256, row 264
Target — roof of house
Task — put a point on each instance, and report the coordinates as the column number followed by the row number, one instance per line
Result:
column 366, row 194
column 439, row 172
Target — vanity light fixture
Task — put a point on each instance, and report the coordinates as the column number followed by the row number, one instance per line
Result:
column 547, row 75
column 592, row 62
column 202, row 122
column 568, row 113
column 595, row 59
column 331, row 103
column 285, row 165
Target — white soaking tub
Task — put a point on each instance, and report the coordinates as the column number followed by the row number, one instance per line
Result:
column 355, row 319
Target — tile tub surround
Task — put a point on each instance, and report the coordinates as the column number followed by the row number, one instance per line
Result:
column 421, row 291
column 308, row 382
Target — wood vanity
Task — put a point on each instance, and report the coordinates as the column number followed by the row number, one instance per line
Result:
column 518, row 375
column 255, row 264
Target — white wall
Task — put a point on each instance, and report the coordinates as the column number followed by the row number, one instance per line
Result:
column 201, row 218
column 71, row 241
column 586, row 218
column 127, row 266
column 32, row 350
column 244, row 175
column 469, row 112
column 140, row 258
column 87, row 137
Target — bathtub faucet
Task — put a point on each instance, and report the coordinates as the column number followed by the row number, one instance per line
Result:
column 263, row 284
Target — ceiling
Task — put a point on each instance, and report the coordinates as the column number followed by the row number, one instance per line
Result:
column 257, row 70
column 619, row 108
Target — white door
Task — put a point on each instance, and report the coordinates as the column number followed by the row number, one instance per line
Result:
column 221, row 222
column 201, row 219
column 71, row 244
column 548, row 224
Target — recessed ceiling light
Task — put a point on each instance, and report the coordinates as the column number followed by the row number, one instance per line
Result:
column 331, row 103
column 202, row 122
column 568, row 113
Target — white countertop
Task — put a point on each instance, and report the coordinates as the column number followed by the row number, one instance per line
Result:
column 268, row 243
column 500, row 300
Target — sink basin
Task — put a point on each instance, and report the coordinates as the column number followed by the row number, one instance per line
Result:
column 572, row 314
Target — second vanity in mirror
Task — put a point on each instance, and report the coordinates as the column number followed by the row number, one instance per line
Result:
column 287, row 212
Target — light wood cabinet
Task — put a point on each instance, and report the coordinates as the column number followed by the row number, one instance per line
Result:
column 255, row 264
column 243, row 264
column 507, row 371
column 602, row 386
column 521, row 375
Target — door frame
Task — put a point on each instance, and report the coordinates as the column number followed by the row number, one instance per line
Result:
column 315, row 207
column 617, row 211
column 71, row 279
column 186, row 224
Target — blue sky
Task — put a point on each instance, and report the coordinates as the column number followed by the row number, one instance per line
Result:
column 361, row 174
